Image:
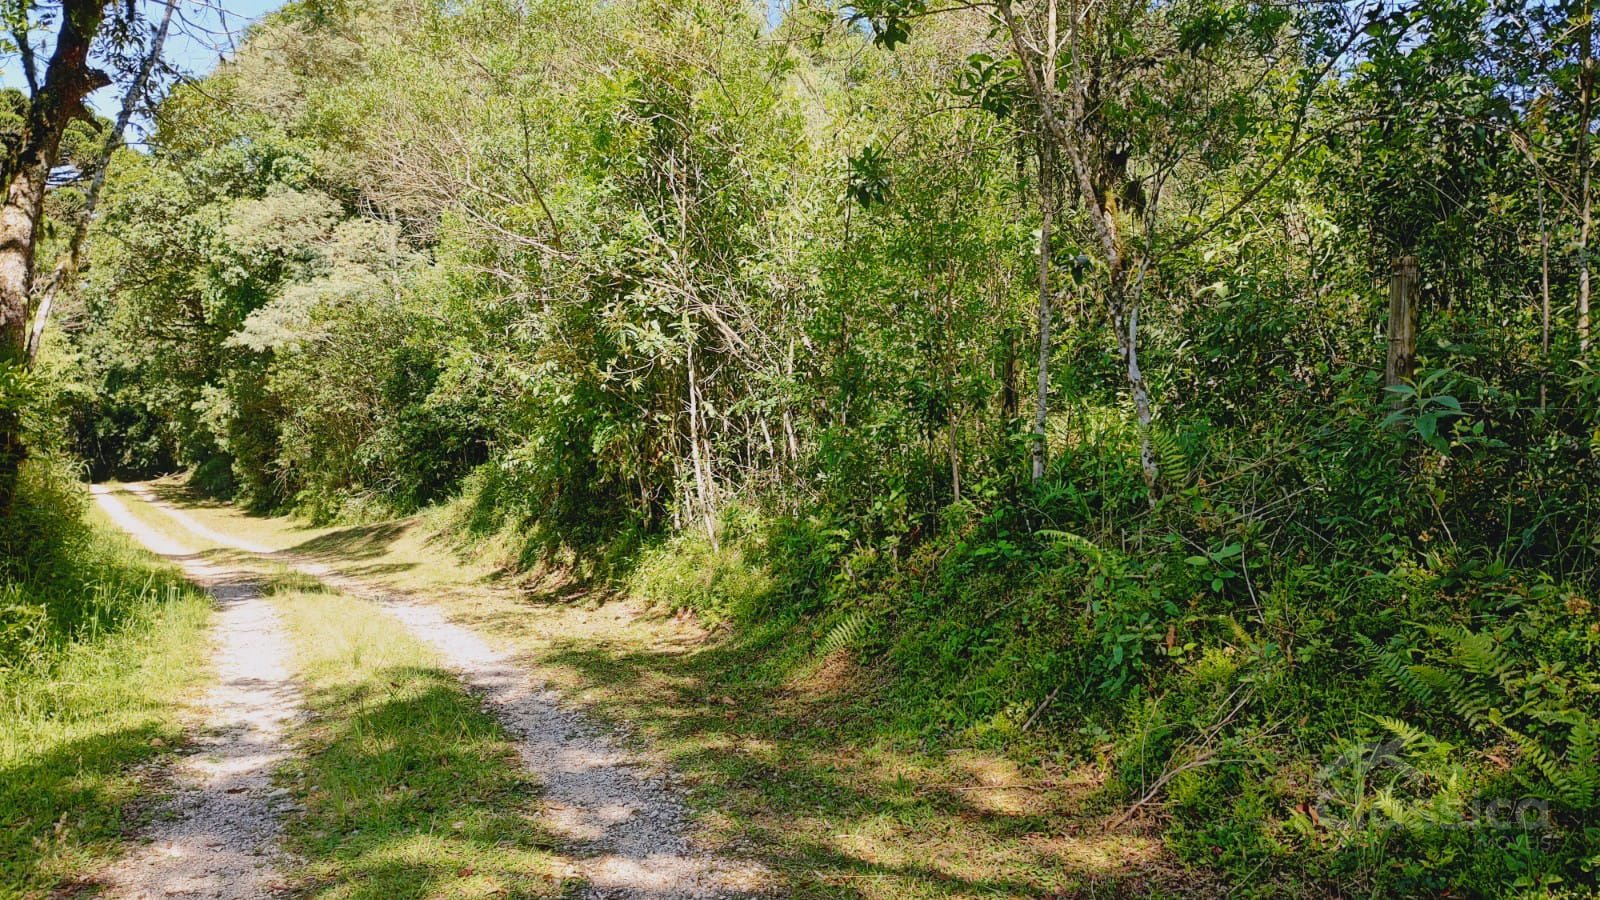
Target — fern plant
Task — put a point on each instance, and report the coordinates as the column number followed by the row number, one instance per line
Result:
column 1110, row 564
column 1473, row 677
column 846, row 633
column 1127, row 619
column 1170, row 457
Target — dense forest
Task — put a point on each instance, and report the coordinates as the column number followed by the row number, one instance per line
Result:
column 1201, row 390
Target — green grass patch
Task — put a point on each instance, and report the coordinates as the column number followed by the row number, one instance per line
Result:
column 409, row 789
column 103, row 646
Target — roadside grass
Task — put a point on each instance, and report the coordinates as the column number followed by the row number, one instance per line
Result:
column 800, row 761
column 92, row 699
column 409, row 788
column 796, row 760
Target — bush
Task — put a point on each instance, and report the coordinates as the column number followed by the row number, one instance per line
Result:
column 722, row 580
column 45, row 526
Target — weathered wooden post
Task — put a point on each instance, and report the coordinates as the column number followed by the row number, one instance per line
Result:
column 1404, row 283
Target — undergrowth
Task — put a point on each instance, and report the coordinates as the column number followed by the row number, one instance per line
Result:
column 1294, row 698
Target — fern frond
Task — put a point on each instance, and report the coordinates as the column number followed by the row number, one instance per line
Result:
column 1110, row 563
column 1396, row 669
column 1581, row 786
column 1170, row 456
column 1410, row 736
column 1462, row 697
column 846, row 633
column 1450, row 634
column 1546, row 764
column 1583, row 746
column 1472, row 675
column 1477, row 652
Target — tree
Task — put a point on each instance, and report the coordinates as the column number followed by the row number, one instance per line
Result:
column 71, row 261
column 54, row 102
column 1548, row 63
column 1144, row 100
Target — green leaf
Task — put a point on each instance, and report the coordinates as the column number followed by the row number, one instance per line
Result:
column 1427, row 424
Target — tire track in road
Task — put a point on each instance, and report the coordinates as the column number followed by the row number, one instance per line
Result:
column 628, row 825
column 217, row 836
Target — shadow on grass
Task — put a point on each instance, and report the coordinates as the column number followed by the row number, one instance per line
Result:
column 771, row 755
column 244, row 571
column 71, row 804
column 354, row 542
column 113, row 642
column 805, row 777
column 179, row 491
column 410, row 790
column 804, row 766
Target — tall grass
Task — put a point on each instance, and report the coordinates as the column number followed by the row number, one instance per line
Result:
column 99, row 646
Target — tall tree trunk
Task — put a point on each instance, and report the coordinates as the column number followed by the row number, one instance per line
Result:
column 955, row 462
column 18, row 224
column 1544, row 304
column 952, row 426
column 1066, row 127
column 59, row 99
column 1047, row 209
column 792, row 442
column 1047, row 195
column 1127, row 327
column 71, row 262
column 701, row 461
column 1585, row 199
column 1008, row 380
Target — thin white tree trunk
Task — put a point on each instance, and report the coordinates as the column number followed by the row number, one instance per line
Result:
column 1586, row 200
column 788, row 417
column 1129, row 340
column 1038, row 58
column 1042, row 398
column 702, row 466
column 1544, row 307
column 1047, row 204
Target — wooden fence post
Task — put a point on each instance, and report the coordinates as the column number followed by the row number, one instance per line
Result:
column 1404, row 283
